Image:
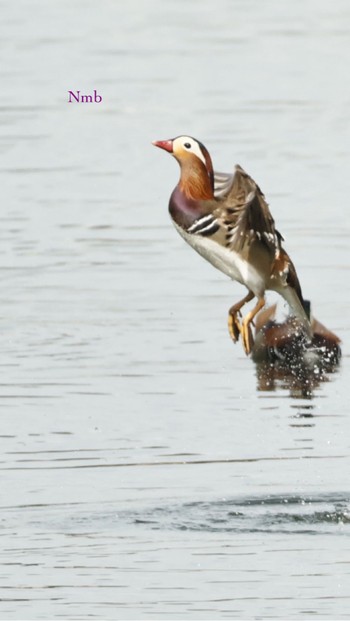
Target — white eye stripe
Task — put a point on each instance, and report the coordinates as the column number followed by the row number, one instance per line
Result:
column 194, row 148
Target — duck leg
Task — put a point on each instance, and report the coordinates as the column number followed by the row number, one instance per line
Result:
column 247, row 336
column 234, row 325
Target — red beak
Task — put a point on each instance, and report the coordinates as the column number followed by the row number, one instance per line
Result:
column 167, row 145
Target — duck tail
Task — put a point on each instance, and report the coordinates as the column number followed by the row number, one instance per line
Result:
column 298, row 307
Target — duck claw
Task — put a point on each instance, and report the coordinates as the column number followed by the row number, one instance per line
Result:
column 234, row 326
column 247, row 338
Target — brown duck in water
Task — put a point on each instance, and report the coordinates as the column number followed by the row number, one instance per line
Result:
column 287, row 344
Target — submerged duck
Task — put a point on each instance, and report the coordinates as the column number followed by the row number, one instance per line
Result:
column 226, row 219
column 286, row 344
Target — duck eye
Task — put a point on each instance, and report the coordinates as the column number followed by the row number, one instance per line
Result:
column 187, row 145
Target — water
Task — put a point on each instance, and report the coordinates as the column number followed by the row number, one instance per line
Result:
column 146, row 471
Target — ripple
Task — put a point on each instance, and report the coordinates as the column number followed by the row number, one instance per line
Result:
column 282, row 513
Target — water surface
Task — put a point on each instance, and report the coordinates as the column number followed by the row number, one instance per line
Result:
column 145, row 473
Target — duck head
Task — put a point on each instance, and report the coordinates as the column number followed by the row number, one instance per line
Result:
column 197, row 175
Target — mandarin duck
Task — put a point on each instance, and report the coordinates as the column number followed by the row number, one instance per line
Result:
column 286, row 343
column 226, row 219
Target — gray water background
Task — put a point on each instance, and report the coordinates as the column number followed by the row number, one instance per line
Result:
column 143, row 474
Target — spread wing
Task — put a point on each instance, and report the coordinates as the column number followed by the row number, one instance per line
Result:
column 244, row 212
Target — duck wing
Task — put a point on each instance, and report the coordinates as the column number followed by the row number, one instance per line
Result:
column 244, row 211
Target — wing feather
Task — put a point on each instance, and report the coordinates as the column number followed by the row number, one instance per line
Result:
column 245, row 212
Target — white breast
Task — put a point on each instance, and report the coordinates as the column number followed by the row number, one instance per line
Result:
column 225, row 260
